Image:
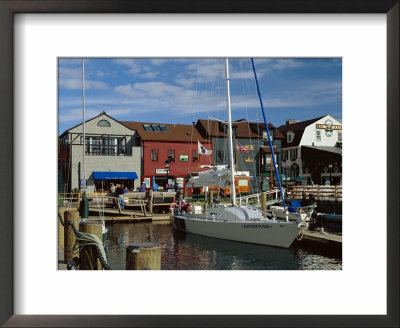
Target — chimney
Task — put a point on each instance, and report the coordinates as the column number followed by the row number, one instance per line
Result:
column 291, row 122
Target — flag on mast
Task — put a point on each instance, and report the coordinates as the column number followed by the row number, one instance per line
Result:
column 201, row 150
column 241, row 148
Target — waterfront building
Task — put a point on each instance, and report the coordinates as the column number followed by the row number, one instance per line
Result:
column 111, row 155
column 312, row 151
column 254, row 156
column 169, row 152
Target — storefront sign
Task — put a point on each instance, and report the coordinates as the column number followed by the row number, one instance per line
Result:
column 183, row 158
column 83, row 184
column 249, row 159
column 328, row 127
column 162, row 171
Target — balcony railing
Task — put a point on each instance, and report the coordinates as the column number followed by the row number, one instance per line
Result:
column 108, row 151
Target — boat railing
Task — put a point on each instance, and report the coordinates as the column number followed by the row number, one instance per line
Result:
column 271, row 194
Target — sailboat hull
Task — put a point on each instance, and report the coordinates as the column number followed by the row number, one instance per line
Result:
column 262, row 232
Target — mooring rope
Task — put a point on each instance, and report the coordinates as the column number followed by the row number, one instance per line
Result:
column 86, row 239
column 61, row 220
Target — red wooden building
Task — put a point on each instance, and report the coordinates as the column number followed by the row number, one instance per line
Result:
column 169, row 152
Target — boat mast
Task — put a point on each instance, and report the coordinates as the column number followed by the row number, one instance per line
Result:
column 269, row 137
column 230, row 141
column 83, row 117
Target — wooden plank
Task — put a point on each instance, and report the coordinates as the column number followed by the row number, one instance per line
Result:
column 315, row 235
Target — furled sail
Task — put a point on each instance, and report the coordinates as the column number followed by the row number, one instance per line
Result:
column 214, row 177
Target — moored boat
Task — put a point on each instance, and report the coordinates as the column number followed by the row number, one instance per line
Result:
column 233, row 222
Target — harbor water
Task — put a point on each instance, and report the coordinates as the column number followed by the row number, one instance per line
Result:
column 186, row 251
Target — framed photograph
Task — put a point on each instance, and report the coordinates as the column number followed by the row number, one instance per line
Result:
column 364, row 34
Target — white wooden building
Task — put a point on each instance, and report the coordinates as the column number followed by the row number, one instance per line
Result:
column 312, row 151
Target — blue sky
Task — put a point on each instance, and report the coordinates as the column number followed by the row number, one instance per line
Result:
column 185, row 90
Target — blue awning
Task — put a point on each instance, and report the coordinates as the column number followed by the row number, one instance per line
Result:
column 115, row 175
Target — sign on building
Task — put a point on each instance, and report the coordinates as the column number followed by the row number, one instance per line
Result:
column 162, row 171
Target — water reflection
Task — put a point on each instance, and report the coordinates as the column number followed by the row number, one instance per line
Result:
column 186, row 251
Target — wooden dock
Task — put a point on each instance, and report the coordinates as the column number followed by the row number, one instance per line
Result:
column 114, row 215
column 321, row 241
column 322, row 237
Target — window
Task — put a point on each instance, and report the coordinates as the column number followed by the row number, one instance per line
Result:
column 93, row 145
column 147, row 127
column 195, row 156
column 154, row 155
column 243, row 183
column 290, row 137
column 163, row 128
column 339, row 137
column 294, row 171
column 106, row 145
column 265, row 135
column 293, row 154
column 284, row 155
column 220, row 156
column 156, row 127
column 104, row 123
column 171, row 155
column 268, row 159
column 318, row 137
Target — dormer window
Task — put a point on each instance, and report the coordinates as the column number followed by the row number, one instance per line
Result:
column 290, row 137
column 265, row 135
column 104, row 124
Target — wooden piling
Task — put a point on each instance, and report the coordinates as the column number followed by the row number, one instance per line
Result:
column 78, row 198
column 264, row 202
column 61, row 211
column 211, row 198
column 88, row 255
column 69, row 235
column 151, row 201
column 145, row 256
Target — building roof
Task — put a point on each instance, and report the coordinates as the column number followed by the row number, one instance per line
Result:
column 244, row 129
column 91, row 119
column 267, row 150
column 330, row 149
column 174, row 132
column 298, row 129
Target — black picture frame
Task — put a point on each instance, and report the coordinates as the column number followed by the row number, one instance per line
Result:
column 7, row 11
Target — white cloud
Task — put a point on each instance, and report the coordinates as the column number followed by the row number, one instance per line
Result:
column 149, row 75
column 158, row 61
column 71, row 79
column 132, row 66
column 76, row 84
column 128, row 90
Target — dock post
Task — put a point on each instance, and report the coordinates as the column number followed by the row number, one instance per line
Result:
column 69, row 235
column 78, row 198
column 61, row 211
column 145, row 256
column 264, row 202
column 88, row 254
column 211, row 198
column 151, row 201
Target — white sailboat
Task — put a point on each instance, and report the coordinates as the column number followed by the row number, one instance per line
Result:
column 234, row 222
